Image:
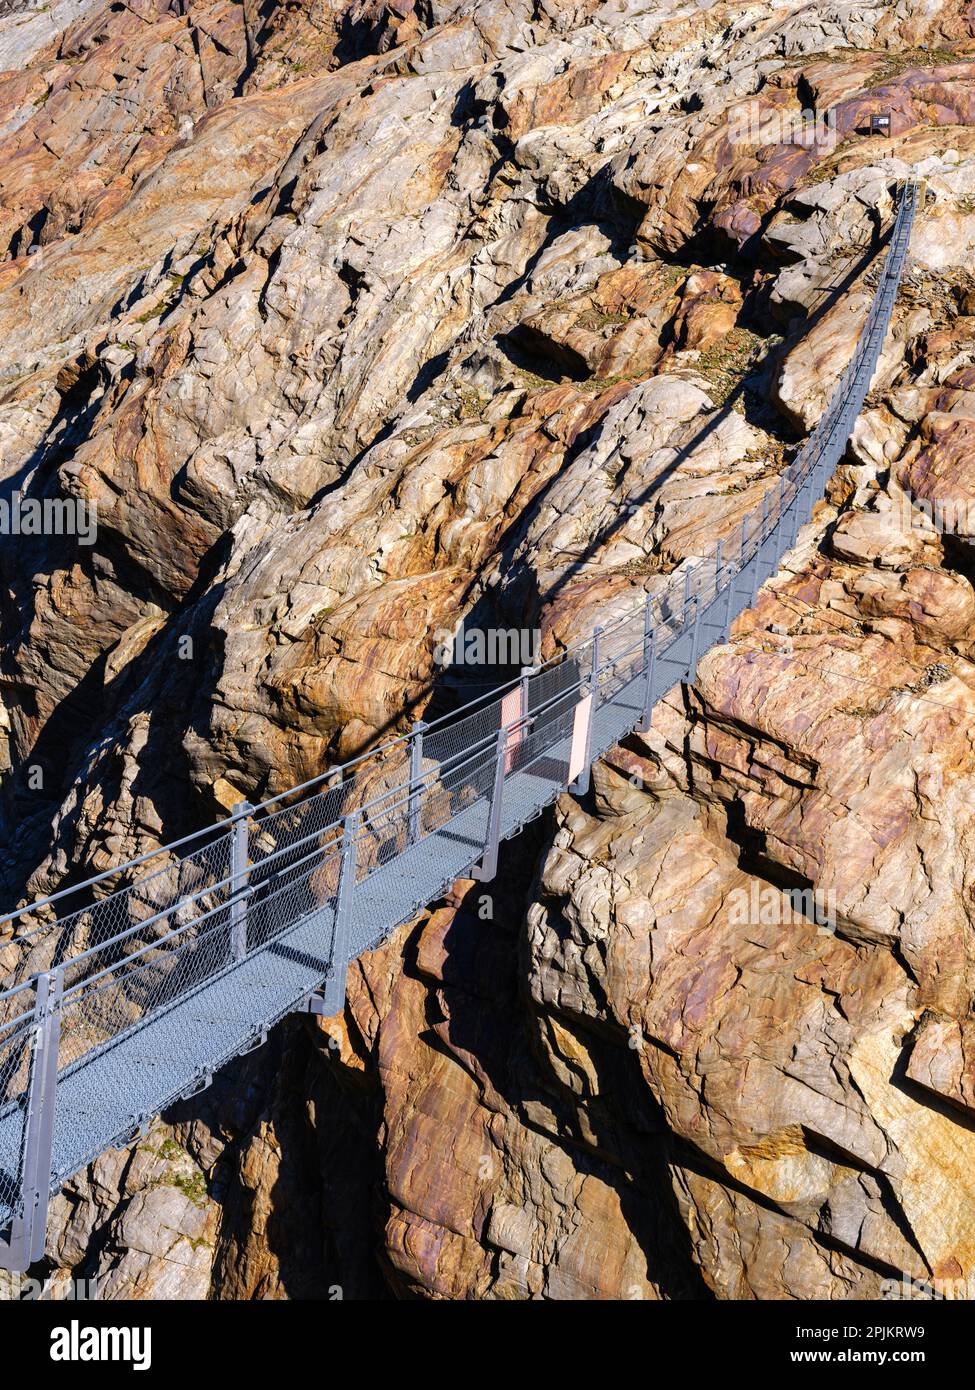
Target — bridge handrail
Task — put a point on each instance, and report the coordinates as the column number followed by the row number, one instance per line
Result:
column 340, row 785
column 119, row 985
column 336, row 776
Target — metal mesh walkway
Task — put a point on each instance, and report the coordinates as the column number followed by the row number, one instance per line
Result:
column 182, row 959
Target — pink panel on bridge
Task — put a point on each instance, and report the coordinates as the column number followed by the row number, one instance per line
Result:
column 580, row 725
column 511, row 713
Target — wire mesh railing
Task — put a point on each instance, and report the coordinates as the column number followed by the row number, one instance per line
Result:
column 16, row 1044
column 129, row 1001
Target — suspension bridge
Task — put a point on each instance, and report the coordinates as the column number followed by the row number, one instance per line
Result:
column 133, row 1000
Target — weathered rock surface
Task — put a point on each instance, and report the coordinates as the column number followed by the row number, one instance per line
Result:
column 357, row 319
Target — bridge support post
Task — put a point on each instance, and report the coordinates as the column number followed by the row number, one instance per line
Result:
column 238, row 881
column 334, row 993
column 416, row 780
column 649, row 666
column 30, row 1232
column 488, row 866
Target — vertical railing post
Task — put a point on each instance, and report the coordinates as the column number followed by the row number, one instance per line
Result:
column 729, row 608
column 526, row 674
column 416, row 780
column 757, row 577
column 695, row 640
column 238, row 880
column 488, row 866
column 334, row 993
column 648, row 631
column 39, row 1123
column 649, row 665
column 794, row 520
column 581, row 784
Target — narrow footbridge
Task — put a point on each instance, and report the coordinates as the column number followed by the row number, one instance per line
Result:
column 132, row 1000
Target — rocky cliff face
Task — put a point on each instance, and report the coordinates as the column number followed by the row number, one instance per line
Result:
column 356, row 318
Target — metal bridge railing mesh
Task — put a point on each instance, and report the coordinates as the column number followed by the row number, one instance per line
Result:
column 167, row 977
column 16, row 1046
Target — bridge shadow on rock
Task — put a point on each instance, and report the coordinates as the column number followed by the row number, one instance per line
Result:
column 85, row 737
column 298, row 1178
column 483, row 1018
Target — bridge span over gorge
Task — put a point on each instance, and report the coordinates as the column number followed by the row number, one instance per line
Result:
column 132, row 1000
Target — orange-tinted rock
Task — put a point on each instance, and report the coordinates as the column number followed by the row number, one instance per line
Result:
column 942, row 1059
column 941, row 474
column 380, row 316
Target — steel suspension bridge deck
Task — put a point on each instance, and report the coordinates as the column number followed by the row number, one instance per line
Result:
column 137, row 997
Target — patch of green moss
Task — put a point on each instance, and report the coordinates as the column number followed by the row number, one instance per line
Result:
column 532, row 381
column 472, row 406
column 865, row 711
column 648, row 564
column 827, row 169
column 896, row 63
column 595, row 319
column 597, row 384
column 833, row 55
column 725, row 363
column 166, row 303
column 192, row 1185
